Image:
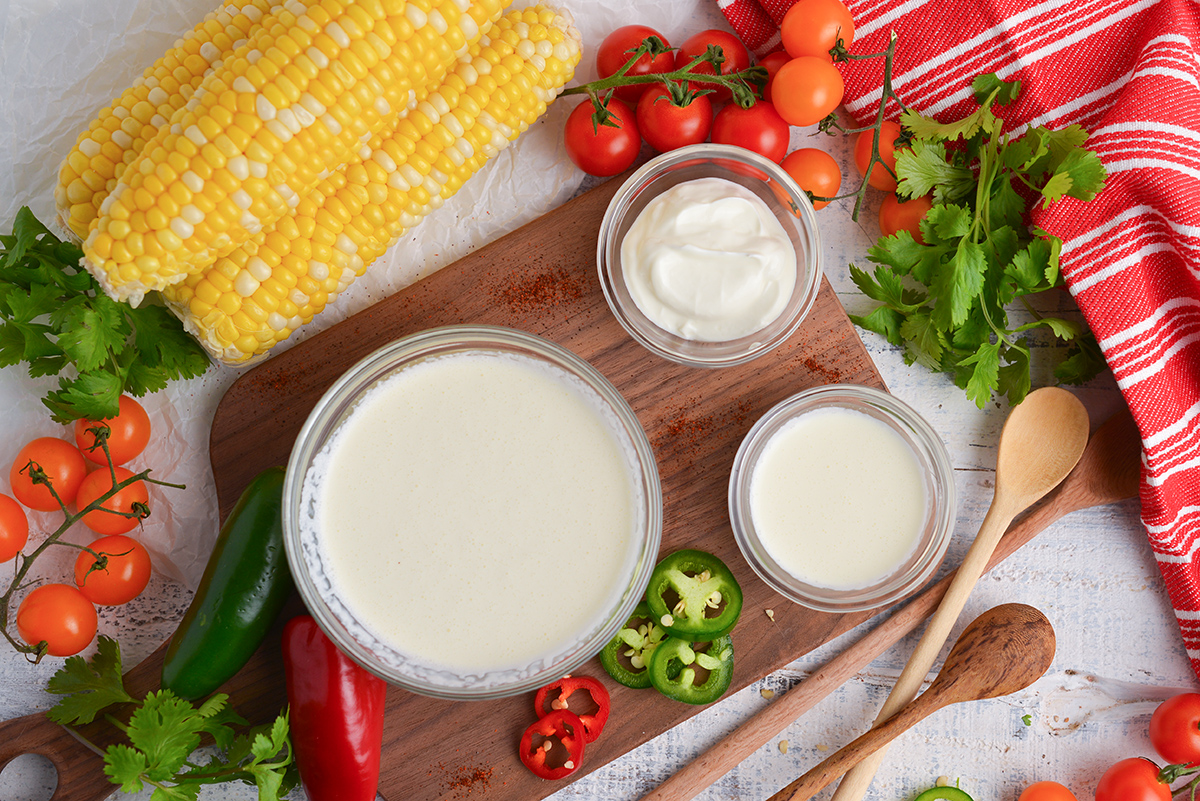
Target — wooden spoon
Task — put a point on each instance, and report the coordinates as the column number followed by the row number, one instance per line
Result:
column 1042, row 441
column 1004, row 650
column 1107, row 472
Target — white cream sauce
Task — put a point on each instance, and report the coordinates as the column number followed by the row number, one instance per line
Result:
column 476, row 512
column 707, row 260
column 837, row 498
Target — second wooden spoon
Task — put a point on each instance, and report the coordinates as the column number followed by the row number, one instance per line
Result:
column 1004, row 650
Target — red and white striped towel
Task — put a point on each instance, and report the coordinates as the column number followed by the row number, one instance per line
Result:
column 1129, row 72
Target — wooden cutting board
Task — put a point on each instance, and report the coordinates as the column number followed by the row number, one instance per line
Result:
column 541, row 279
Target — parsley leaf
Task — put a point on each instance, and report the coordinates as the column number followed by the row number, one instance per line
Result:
column 944, row 300
column 55, row 318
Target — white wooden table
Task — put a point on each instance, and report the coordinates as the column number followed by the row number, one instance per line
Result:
column 1092, row 573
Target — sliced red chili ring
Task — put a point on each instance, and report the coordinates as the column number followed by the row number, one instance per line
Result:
column 562, row 726
column 546, row 702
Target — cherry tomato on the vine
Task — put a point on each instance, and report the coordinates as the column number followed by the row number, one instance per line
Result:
column 879, row 178
column 771, row 63
column 904, row 215
column 758, row 128
column 60, row 615
column 1046, row 791
column 806, row 90
column 617, row 48
column 129, row 432
column 737, row 58
column 667, row 126
column 602, row 150
column 14, row 528
column 99, row 482
column 1133, row 779
column 60, row 461
column 1175, row 729
column 815, row 171
column 122, row 579
column 812, row 28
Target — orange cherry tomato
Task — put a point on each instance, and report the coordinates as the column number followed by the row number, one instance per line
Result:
column 806, row 90
column 60, row 461
column 122, row 579
column 771, row 63
column 815, row 171
column 904, row 215
column 879, row 178
column 1046, row 791
column 107, row 522
column 129, row 432
column 58, row 615
column 812, row 28
column 14, row 528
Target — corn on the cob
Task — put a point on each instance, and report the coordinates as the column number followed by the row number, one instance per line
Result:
column 291, row 105
column 258, row 295
column 120, row 132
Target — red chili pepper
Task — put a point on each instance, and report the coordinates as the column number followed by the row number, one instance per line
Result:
column 560, row 725
column 336, row 715
column 593, row 723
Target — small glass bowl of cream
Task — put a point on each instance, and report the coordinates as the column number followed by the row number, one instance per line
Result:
column 842, row 498
column 708, row 255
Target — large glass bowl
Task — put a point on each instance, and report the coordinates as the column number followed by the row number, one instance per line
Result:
column 766, row 179
column 937, row 477
column 301, row 526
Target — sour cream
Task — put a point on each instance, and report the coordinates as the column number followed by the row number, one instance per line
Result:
column 838, row 499
column 707, row 260
column 476, row 513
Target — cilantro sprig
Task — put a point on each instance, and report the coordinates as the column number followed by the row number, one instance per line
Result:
column 945, row 300
column 55, row 318
column 164, row 730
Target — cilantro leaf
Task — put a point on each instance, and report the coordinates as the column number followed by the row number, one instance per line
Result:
column 166, row 729
column 927, row 170
column 1013, row 379
column 89, row 686
column 985, row 377
column 884, row 321
column 925, row 343
column 957, row 286
column 125, row 766
column 990, row 87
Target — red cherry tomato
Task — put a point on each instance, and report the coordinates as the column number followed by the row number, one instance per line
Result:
column 758, row 128
column 1046, row 791
column 667, row 126
column 128, row 433
column 14, row 528
column 60, row 461
column 60, row 616
column 737, row 58
column 880, row 178
column 812, row 28
column 99, row 482
column 122, row 579
column 771, row 63
column 1175, row 729
column 904, row 215
column 806, row 90
column 617, row 48
column 603, row 149
column 815, row 171
column 1133, row 779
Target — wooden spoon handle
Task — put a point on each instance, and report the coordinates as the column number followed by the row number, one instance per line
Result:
column 870, row 743
column 856, row 782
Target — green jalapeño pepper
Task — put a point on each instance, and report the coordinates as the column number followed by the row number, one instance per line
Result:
column 694, row 595
column 673, row 670
column 627, row 655
column 943, row 794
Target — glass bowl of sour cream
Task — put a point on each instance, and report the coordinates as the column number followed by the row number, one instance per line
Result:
column 708, row 255
column 472, row 512
column 842, row 498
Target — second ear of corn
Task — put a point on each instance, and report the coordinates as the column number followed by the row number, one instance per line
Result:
column 250, row 273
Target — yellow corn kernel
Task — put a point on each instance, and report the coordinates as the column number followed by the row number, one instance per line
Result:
column 355, row 214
